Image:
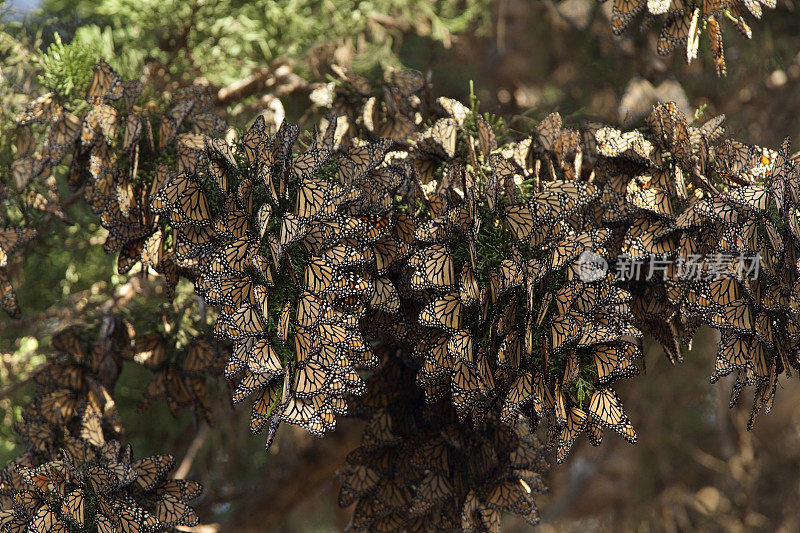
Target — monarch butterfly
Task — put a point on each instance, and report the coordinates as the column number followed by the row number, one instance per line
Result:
column 277, row 160
column 152, row 470
column 503, row 174
column 738, row 315
column 150, row 350
column 133, row 131
column 73, row 506
column 62, row 132
column 486, row 136
column 43, row 109
column 264, row 407
column 106, row 83
column 614, row 361
column 511, row 274
column 250, row 382
column 310, row 379
column 231, row 259
column 186, row 199
column 402, row 85
column 385, row 296
column 670, row 126
column 438, row 358
column 520, row 393
column 454, row 108
column 654, row 200
column 468, row 286
column 605, row 408
column 568, row 249
column 356, row 162
column 548, row 132
column 133, row 518
column 733, row 354
column 293, row 228
column 304, row 413
column 433, row 268
column 233, row 223
column 387, row 251
column 439, row 140
column 263, row 359
column 675, row 31
column 172, row 511
column 574, row 425
column 12, row 238
column 283, row 322
column 623, row 13
column 509, row 495
column 101, row 118
column 246, row 321
column 776, row 182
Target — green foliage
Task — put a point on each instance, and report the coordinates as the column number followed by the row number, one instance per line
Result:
column 17, row 63
column 223, row 41
column 67, row 68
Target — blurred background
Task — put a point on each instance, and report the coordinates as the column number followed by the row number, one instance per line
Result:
column 695, row 467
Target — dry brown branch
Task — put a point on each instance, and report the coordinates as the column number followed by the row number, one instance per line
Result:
column 243, row 88
column 197, row 443
column 276, row 81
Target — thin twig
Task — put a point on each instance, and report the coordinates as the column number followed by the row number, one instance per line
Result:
column 243, row 88
column 191, row 453
column 10, row 389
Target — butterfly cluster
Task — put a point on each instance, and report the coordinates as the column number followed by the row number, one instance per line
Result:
column 292, row 253
column 461, row 286
column 726, row 212
column 419, row 468
column 487, row 267
column 110, row 492
column 685, row 20
column 181, row 376
column 74, row 472
column 73, row 408
column 122, row 147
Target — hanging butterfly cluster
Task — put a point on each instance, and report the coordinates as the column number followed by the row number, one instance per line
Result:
column 419, row 468
column 722, row 216
column 505, row 318
column 511, row 322
column 108, row 493
column 74, row 472
column 120, row 160
column 181, row 376
column 292, row 254
column 685, row 20
column 73, row 408
column 500, row 265
column 505, row 274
